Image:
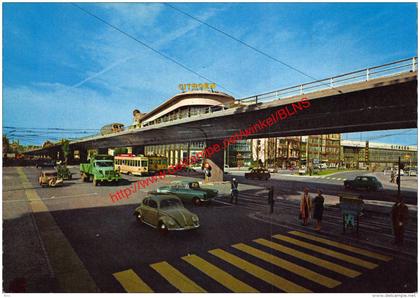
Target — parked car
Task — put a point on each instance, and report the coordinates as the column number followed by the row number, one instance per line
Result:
column 261, row 174
column 45, row 163
column 363, row 182
column 302, row 170
column 189, row 191
column 166, row 212
column 412, row 173
column 49, row 178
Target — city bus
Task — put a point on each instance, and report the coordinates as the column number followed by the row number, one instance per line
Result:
column 157, row 163
column 131, row 164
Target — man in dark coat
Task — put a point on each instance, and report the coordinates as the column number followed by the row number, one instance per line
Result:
column 399, row 216
column 318, row 206
column 234, row 191
column 271, row 198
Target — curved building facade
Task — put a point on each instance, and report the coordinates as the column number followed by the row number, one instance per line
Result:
column 188, row 104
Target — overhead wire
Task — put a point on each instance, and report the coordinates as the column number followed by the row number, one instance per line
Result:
column 247, row 45
column 144, row 44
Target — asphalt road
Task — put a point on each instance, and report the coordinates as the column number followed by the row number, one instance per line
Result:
column 57, row 238
column 334, row 184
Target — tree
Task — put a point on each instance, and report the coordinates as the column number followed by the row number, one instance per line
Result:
column 6, row 145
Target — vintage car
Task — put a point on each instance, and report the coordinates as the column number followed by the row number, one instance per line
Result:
column 363, row 182
column 45, row 163
column 166, row 212
column 49, row 178
column 261, row 174
column 189, row 191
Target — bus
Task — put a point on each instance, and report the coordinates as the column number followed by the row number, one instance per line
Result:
column 131, row 164
column 157, row 163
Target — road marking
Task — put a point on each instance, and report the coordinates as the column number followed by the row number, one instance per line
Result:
column 354, row 249
column 69, row 270
column 271, row 278
column 176, row 278
column 228, row 204
column 222, row 277
column 328, row 252
column 308, row 258
column 131, row 282
column 53, row 198
column 289, row 266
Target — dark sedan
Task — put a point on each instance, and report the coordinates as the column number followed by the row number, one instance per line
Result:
column 261, row 174
column 363, row 182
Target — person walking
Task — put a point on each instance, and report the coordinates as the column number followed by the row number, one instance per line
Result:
column 399, row 215
column 271, row 198
column 318, row 204
column 305, row 206
column 234, row 191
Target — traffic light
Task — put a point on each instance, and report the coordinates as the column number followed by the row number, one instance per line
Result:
column 367, row 152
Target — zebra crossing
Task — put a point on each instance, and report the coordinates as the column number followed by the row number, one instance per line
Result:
column 293, row 262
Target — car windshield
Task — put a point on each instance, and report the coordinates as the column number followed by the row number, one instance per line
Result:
column 170, row 203
column 194, row 185
column 103, row 164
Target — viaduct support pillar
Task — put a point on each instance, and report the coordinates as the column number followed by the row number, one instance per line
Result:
column 216, row 160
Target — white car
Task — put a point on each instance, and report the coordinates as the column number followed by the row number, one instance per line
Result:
column 412, row 173
column 302, row 170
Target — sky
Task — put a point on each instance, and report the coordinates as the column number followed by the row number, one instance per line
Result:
column 63, row 68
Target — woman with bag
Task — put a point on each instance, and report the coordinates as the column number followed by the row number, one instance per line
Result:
column 305, row 207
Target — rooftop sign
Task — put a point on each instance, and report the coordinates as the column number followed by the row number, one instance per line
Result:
column 194, row 87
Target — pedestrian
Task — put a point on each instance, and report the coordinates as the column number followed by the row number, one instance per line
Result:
column 392, row 176
column 234, row 191
column 318, row 204
column 305, row 207
column 271, row 198
column 399, row 215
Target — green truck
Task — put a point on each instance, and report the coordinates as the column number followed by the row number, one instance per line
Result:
column 100, row 168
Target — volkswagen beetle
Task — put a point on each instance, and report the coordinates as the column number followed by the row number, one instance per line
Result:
column 166, row 212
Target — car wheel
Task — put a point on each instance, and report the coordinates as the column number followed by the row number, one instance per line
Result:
column 196, row 201
column 163, row 229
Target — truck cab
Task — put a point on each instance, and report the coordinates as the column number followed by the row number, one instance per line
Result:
column 100, row 169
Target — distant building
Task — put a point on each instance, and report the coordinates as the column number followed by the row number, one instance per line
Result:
column 317, row 149
column 377, row 156
column 239, row 154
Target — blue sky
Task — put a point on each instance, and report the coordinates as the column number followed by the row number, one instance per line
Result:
column 64, row 69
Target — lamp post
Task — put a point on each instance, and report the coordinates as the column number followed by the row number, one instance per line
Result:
column 399, row 176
